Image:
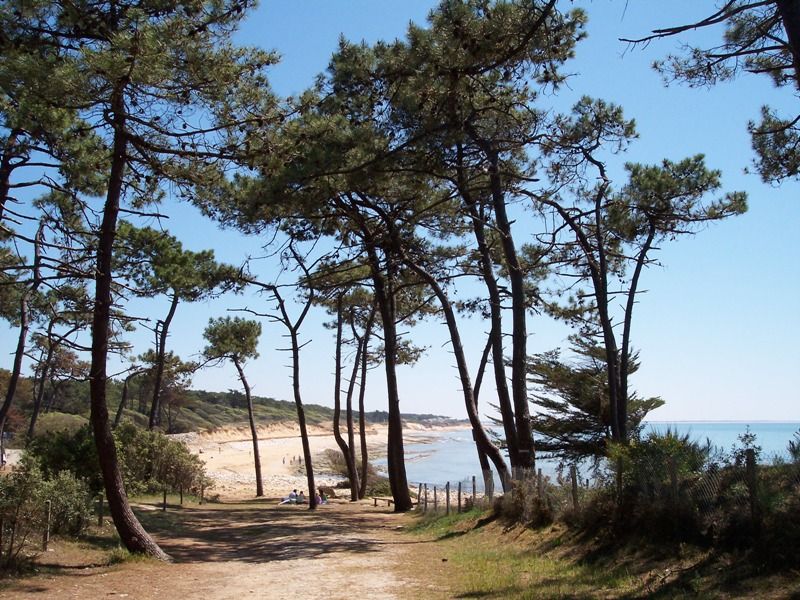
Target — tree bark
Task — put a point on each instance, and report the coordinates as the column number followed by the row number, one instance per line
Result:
column 384, row 295
column 253, row 431
column 496, row 332
column 483, row 460
column 24, row 324
column 6, row 167
column 362, row 419
column 789, row 11
column 160, row 358
column 519, row 335
column 482, row 440
column 351, row 442
column 301, row 419
column 131, row 532
column 337, row 406
column 124, row 399
column 39, row 390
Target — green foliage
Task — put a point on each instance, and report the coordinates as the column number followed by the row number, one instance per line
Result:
column 23, row 514
column 151, row 462
column 71, row 451
column 573, row 418
column 233, row 338
column 754, row 40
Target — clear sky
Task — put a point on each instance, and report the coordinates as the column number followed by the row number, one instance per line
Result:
column 718, row 328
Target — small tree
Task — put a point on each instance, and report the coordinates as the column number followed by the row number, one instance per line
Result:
column 236, row 339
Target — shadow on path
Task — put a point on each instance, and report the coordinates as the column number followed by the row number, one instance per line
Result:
column 261, row 533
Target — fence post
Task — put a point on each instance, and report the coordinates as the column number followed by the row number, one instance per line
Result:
column 202, row 486
column 419, row 497
column 46, row 535
column 447, row 496
column 100, row 510
column 181, row 491
column 164, row 505
column 673, row 480
column 474, row 491
column 539, row 484
column 459, row 496
column 425, row 509
column 435, row 500
column 573, row 473
column 752, row 487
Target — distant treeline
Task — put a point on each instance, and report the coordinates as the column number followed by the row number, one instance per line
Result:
column 66, row 405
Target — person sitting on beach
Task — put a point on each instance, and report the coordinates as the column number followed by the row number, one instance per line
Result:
column 301, row 497
column 291, row 498
column 321, row 497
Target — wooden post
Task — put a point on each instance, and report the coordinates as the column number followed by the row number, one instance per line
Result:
column 459, row 496
column 435, row 500
column 419, row 497
column 447, row 496
column 181, row 492
column 100, row 510
column 673, row 481
column 573, row 473
column 201, row 492
column 46, row 535
column 425, row 509
column 164, row 505
column 752, row 487
column 474, row 491
column 539, row 484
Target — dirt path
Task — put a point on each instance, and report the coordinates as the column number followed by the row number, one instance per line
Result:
column 246, row 550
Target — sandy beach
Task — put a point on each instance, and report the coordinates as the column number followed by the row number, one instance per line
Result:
column 228, row 455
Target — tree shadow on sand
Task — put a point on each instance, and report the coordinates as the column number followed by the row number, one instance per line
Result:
column 244, row 532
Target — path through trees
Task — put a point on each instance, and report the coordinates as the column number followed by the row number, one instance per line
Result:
column 256, row 550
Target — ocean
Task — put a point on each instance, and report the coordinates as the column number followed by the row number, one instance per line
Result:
column 443, row 456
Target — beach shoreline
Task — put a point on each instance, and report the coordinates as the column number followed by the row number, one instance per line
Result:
column 228, row 455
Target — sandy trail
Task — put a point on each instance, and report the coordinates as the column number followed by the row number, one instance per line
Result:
column 254, row 548
column 248, row 550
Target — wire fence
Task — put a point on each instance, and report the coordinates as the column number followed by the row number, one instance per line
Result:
column 676, row 492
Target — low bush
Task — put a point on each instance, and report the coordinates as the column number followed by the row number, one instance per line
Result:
column 23, row 510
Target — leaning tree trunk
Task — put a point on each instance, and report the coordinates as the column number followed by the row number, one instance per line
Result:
column 351, row 441
column 24, row 324
column 123, row 402
column 519, row 333
column 301, row 420
column 483, row 460
column 337, row 408
column 479, row 433
column 131, row 532
column 38, row 396
column 160, row 358
column 496, row 332
column 7, row 166
column 362, row 419
column 253, row 431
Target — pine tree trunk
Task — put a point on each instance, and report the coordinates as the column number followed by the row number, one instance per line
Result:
column 395, row 453
column 161, row 357
column 253, row 430
column 362, row 420
column 131, row 532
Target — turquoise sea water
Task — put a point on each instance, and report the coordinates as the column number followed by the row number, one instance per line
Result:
column 450, row 455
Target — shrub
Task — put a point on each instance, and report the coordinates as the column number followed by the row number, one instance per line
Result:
column 22, row 509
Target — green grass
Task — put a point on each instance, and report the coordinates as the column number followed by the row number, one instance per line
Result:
column 487, row 560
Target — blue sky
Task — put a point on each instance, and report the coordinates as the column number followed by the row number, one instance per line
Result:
column 718, row 327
